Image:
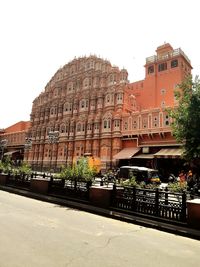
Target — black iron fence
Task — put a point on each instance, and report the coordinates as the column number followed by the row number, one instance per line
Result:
column 75, row 189
column 156, row 203
column 22, row 181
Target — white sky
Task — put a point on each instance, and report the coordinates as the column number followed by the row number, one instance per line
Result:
column 39, row 36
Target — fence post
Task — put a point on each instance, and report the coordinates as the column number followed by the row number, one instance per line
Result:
column 166, row 196
column 50, row 183
column 113, row 196
column 183, row 206
column 133, row 204
column 156, row 202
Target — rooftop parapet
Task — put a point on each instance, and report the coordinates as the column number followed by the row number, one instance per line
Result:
column 168, row 55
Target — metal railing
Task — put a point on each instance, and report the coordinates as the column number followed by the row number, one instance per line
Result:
column 153, row 202
column 170, row 54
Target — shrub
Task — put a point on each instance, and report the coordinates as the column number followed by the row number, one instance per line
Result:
column 24, row 169
column 130, row 182
column 81, row 171
column 178, row 187
column 6, row 165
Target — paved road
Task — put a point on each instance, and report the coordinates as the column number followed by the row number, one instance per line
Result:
column 35, row 233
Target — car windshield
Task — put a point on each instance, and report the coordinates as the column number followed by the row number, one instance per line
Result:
column 140, row 173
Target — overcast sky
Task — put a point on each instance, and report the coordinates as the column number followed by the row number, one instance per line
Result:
column 39, row 36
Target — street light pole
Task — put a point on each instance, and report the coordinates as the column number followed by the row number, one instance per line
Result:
column 53, row 137
column 3, row 144
column 28, row 146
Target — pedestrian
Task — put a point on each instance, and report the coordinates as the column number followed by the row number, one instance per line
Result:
column 182, row 176
column 190, row 180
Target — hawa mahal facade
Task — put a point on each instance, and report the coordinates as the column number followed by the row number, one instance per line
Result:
column 94, row 109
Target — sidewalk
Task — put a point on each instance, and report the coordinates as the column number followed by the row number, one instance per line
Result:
column 170, row 228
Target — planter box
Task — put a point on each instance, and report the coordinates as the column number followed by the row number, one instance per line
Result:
column 40, row 186
column 193, row 218
column 3, row 178
column 100, row 196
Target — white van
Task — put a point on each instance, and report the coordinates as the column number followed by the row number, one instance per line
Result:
column 141, row 174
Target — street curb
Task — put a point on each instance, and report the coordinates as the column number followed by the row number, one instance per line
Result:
column 162, row 226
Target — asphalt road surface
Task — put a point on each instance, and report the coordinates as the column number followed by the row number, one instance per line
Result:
column 35, row 233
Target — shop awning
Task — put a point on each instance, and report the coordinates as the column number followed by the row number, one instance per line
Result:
column 169, row 153
column 11, row 152
column 144, row 156
column 126, row 153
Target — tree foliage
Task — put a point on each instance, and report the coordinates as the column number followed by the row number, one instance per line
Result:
column 186, row 117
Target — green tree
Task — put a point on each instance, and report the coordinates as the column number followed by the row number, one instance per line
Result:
column 80, row 171
column 186, row 118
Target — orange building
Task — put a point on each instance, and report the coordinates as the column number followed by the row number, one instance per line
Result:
column 93, row 108
column 146, row 131
column 15, row 137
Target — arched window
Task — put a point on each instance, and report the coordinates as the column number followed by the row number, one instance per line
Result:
column 52, row 111
column 82, row 103
column 68, row 107
column 116, row 123
column 119, row 98
column 106, row 124
column 83, row 127
column 70, row 86
column 85, row 83
column 89, row 127
column 62, row 128
column 125, row 125
column 166, row 120
column 109, row 100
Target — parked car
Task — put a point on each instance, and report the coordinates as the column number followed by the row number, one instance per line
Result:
column 141, row 174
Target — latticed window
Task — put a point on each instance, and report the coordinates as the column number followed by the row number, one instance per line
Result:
column 119, row 96
column 125, row 125
column 107, row 124
column 96, row 126
column 162, row 66
column 174, row 63
column 83, row 127
column 134, row 124
column 117, row 123
column 89, row 127
column 78, row 128
column 166, row 120
column 145, row 123
column 150, row 69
